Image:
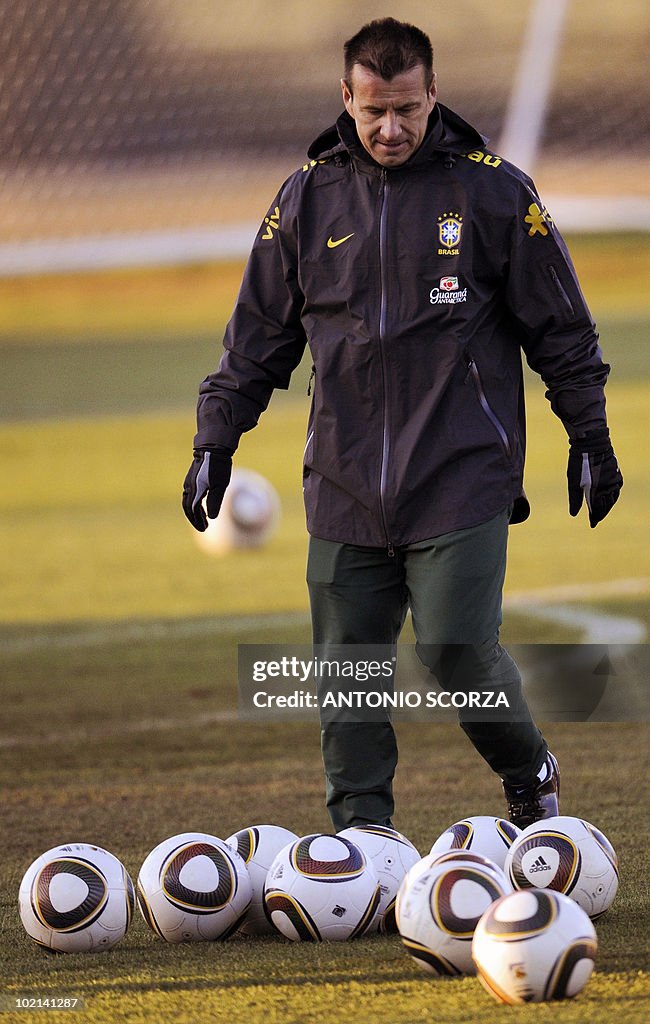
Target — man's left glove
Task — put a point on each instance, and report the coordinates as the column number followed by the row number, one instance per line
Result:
column 209, row 475
column 593, row 473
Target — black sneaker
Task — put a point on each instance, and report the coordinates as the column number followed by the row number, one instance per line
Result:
column 527, row 804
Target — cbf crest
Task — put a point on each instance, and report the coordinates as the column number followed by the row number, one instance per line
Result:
column 450, row 230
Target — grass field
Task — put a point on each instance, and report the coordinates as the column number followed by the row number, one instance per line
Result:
column 119, row 642
column 139, row 750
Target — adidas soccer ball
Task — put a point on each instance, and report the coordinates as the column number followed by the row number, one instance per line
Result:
column 533, row 946
column 322, row 888
column 193, row 887
column 440, row 909
column 249, row 515
column 483, row 834
column 567, row 855
column 391, row 854
column 76, row 898
column 258, row 846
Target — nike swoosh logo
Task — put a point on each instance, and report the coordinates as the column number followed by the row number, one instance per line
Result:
column 331, row 244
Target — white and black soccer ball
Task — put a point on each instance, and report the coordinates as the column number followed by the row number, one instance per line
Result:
column 428, row 861
column 193, row 887
column 76, row 898
column 489, row 836
column 392, row 855
column 258, row 846
column 567, row 855
column 249, row 515
column 440, row 908
column 534, row 946
column 322, row 888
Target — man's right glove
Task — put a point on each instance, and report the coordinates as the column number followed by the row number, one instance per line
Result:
column 593, row 473
column 209, row 475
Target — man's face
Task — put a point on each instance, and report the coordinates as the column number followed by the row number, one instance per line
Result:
column 391, row 116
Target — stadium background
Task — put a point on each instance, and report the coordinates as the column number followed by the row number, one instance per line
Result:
column 151, row 136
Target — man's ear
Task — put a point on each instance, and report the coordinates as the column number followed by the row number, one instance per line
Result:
column 433, row 91
column 347, row 96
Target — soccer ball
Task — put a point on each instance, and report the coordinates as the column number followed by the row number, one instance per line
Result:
column 568, row 855
column 435, row 858
column 258, row 847
column 534, row 946
column 76, row 898
column 491, row 837
column 249, row 515
column 193, row 887
column 322, row 888
column 440, row 909
column 391, row 855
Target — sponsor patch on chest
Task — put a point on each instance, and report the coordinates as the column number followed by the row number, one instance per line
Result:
column 448, row 291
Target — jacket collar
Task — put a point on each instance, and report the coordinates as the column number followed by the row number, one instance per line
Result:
column 447, row 132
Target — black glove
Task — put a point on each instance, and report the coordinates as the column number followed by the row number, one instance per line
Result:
column 593, row 473
column 208, row 475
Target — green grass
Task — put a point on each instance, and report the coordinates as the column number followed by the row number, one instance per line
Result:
column 44, row 380
column 121, row 744
column 118, row 653
column 93, row 526
column 116, row 735
column 121, row 304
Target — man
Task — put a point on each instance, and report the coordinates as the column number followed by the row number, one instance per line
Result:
column 417, row 265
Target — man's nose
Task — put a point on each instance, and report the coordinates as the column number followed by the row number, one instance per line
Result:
column 390, row 127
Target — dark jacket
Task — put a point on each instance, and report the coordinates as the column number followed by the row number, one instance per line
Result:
column 416, row 289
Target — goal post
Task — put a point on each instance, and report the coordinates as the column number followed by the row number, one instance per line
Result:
column 533, row 82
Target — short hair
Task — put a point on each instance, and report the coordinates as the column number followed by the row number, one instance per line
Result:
column 388, row 47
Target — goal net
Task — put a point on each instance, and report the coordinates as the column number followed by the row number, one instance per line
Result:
column 158, row 130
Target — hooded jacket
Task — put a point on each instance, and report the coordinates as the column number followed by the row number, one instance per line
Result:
column 416, row 289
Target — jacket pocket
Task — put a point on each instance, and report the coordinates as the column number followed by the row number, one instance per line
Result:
column 566, row 306
column 473, row 372
column 309, row 447
column 308, row 450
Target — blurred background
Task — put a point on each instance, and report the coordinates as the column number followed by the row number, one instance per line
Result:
column 133, row 115
column 141, row 142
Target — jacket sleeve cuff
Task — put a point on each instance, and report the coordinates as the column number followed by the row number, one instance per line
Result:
column 221, row 436
column 581, row 410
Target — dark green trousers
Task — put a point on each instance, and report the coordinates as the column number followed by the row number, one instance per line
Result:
column 453, row 586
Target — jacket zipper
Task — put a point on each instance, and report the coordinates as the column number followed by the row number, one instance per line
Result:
column 385, row 441
column 487, row 408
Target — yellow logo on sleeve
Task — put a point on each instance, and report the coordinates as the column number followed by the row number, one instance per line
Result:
column 538, row 219
column 273, row 223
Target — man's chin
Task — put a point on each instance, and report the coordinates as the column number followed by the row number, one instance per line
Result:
column 391, row 156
